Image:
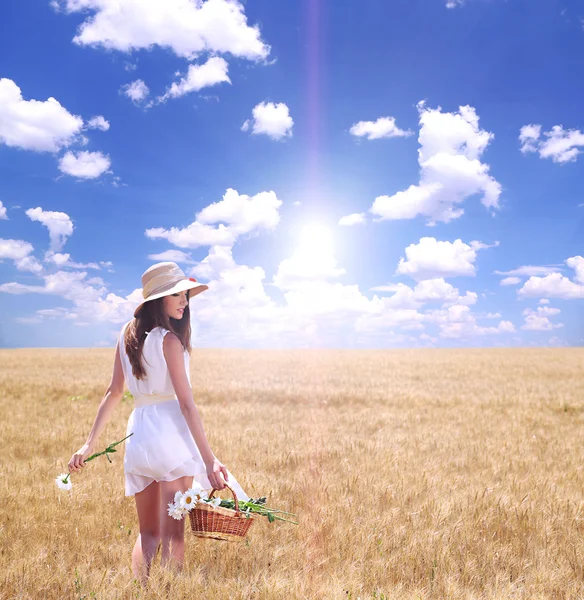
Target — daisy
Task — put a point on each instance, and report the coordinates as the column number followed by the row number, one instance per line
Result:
column 188, row 499
column 63, row 481
column 176, row 512
column 215, row 501
column 196, row 487
column 177, row 497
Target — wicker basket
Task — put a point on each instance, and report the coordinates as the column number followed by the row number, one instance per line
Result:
column 220, row 523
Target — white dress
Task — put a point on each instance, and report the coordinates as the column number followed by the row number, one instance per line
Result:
column 162, row 447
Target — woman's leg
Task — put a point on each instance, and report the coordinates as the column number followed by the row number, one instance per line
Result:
column 147, row 505
column 172, row 530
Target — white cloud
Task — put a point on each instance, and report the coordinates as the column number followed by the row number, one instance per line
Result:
column 186, row 27
column 529, row 270
column 64, row 260
column 321, row 301
column 28, row 320
column 428, row 338
column 29, row 263
column 91, row 301
column 454, row 3
column 577, row 263
column 382, row 318
column 384, row 127
column 59, row 225
column 537, row 320
column 194, row 235
column 544, row 301
column 242, row 214
column 98, row 122
column 427, row 291
column 137, row 91
column 211, row 73
column 457, row 321
column 561, row 145
column 354, row 219
column 20, row 252
column 391, row 287
column 46, row 126
column 40, row 126
column 556, row 285
column 54, row 313
column 86, row 165
column 176, row 256
column 315, row 310
column 545, row 311
column 528, row 137
column 451, row 145
column 236, row 309
column 271, row 119
column 312, row 261
column 510, row 281
column 3, row 215
column 432, row 258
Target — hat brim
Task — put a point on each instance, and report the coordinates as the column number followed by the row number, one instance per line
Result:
column 181, row 286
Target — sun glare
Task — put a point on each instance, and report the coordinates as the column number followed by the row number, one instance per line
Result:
column 316, row 240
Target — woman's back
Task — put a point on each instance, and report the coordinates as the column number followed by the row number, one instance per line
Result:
column 157, row 380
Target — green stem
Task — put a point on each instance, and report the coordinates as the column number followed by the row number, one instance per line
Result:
column 106, row 451
column 266, row 508
column 262, row 510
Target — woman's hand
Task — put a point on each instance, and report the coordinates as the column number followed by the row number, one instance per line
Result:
column 214, row 470
column 77, row 461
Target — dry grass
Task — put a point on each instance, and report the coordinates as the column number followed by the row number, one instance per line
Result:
column 414, row 474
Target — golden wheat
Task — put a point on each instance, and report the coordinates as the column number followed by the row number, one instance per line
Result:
column 413, row 474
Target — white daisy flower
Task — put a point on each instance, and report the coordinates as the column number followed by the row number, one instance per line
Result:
column 177, row 497
column 62, row 482
column 196, row 487
column 215, row 501
column 177, row 514
column 188, row 500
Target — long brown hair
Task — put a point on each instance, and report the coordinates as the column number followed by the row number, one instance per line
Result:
column 152, row 315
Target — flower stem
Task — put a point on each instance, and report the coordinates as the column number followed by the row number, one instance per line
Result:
column 109, row 449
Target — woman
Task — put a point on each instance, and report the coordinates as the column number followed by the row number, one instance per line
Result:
column 168, row 447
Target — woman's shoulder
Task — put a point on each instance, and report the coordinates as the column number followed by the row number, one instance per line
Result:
column 160, row 329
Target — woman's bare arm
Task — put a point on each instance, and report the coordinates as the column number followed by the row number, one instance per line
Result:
column 111, row 399
column 174, row 356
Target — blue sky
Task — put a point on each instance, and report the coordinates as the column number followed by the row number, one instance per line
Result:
column 359, row 174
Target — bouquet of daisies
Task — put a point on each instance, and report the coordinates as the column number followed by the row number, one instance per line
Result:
column 184, row 502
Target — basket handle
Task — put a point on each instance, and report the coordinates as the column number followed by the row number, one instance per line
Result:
column 234, row 496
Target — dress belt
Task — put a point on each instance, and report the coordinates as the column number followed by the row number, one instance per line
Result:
column 147, row 399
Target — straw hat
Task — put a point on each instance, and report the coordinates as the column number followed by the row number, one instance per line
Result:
column 164, row 279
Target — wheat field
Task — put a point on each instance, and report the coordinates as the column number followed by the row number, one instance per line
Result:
column 414, row 474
